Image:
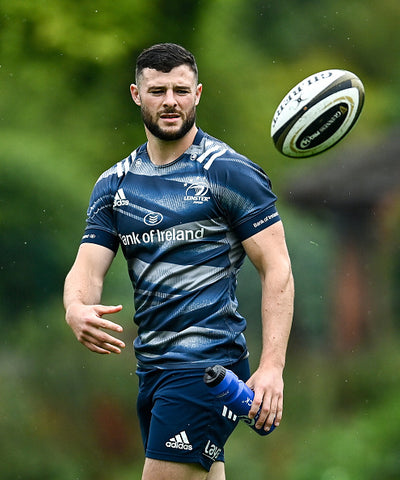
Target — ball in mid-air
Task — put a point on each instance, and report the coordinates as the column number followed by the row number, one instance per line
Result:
column 317, row 113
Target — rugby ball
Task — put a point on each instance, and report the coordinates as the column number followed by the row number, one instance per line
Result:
column 317, row 113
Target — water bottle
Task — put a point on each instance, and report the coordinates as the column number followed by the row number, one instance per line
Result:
column 235, row 394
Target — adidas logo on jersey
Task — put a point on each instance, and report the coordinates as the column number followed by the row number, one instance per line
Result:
column 179, row 441
column 120, row 199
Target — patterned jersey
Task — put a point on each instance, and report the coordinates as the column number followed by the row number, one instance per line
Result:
column 180, row 227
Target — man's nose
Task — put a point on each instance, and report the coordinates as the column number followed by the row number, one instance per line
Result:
column 169, row 98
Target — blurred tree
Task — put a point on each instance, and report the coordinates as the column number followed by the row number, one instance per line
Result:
column 65, row 74
column 66, row 115
column 353, row 30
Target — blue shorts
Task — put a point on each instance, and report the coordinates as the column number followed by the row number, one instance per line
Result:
column 180, row 419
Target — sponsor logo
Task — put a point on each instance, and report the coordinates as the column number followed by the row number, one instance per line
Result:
column 323, row 128
column 228, row 414
column 179, row 442
column 265, row 219
column 248, row 401
column 120, row 200
column 211, row 451
column 172, row 234
column 153, row 218
column 196, row 193
column 297, row 94
column 89, row 235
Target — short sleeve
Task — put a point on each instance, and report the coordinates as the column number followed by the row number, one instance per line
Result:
column 100, row 228
column 245, row 195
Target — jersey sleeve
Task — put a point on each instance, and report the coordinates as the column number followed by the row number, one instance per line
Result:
column 245, row 195
column 100, row 228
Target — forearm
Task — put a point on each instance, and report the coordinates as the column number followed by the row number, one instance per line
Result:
column 267, row 250
column 82, row 297
column 277, row 314
column 84, row 283
column 81, row 288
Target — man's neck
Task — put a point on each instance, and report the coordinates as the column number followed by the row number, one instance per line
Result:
column 162, row 152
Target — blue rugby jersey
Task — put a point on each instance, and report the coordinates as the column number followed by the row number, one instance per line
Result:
column 180, row 227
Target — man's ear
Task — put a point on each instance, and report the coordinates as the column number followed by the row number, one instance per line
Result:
column 199, row 89
column 135, row 94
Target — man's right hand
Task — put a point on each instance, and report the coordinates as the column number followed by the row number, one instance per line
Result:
column 88, row 325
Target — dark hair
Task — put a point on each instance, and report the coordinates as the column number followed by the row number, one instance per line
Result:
column 164, row 57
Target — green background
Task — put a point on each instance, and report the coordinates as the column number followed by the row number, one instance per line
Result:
column 66, row 116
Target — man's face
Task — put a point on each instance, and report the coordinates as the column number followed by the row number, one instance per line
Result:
column 168, row 101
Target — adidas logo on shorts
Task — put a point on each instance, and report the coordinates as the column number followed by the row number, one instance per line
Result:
column 179, row 441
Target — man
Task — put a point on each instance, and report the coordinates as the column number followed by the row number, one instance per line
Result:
column 185, row 209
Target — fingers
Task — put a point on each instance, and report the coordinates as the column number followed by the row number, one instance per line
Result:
column 94, row 348
column 279, row 411
column 268, row 400
column 270, row 412
column 103, row 323
column 105, row 309
column 88, row 325
column 101, row 342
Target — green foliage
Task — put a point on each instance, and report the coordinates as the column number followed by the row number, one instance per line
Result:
column 66, row 115
column 68, row 413
column 358, row 438
column 352, row 31
column 86, row 30
column 341, row 421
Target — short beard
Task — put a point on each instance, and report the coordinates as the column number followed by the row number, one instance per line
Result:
column 165, row 135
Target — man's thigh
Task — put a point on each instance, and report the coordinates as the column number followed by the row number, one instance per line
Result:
column 162, row 470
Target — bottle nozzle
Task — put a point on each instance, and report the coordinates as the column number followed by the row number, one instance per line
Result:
column 214, row 375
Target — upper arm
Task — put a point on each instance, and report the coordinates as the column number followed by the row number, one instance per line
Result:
column 93, row 260
column 267, row 249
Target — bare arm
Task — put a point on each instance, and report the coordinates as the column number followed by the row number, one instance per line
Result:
column 82, row 295
column 268, row 252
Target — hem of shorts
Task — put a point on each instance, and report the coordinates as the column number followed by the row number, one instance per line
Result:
column 199, row 459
